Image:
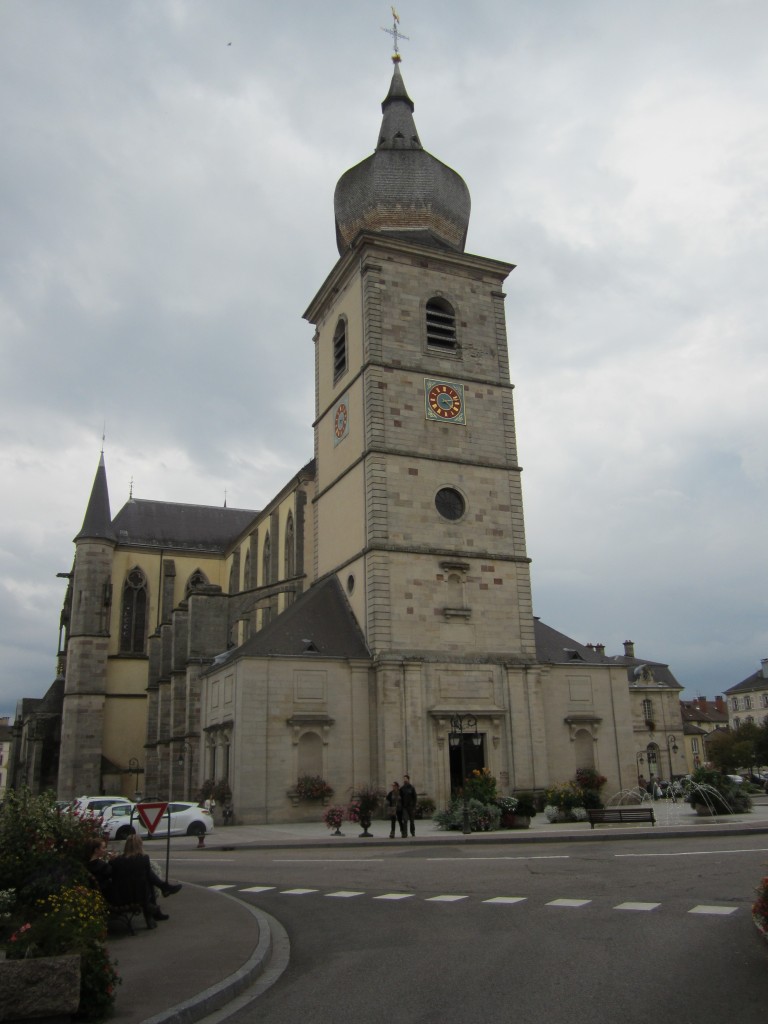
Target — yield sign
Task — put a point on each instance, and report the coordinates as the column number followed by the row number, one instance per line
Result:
column 151, row 815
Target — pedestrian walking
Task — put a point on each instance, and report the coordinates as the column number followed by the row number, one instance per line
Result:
column 408, row 800
column 394, row 809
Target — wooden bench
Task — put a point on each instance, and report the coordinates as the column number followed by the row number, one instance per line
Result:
column 125, row 912
column 610, row 815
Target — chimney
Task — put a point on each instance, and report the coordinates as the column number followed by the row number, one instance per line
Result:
column 764, row 668
column 629, row 648
column 720, row 705
column 600, row 648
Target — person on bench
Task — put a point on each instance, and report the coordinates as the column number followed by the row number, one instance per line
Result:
column 133, row 871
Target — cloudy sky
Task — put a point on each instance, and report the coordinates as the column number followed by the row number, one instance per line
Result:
column 166, row 185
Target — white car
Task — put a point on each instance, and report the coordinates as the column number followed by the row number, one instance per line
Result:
column 97, row 805
column 187, row 819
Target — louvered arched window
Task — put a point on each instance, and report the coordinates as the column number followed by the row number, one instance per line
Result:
column 340, row 350
column 441, row 324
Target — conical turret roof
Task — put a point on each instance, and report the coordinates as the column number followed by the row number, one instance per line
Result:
column 97, row 524
column 401, row 189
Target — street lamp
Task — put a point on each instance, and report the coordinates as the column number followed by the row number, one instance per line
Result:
column 672, row 748
column 133, row 766
column 460, row 724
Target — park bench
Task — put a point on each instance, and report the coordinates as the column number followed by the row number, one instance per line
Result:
column 611, row 815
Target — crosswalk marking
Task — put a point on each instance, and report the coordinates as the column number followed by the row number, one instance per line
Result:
column 637, row 906
column 701, row 909
column 561, row 901
column 444, row 899
column 568, row 903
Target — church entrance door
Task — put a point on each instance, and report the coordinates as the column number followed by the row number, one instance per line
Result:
column 474, row 760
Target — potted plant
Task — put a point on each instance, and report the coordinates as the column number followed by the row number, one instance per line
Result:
column 525, row 810
column 365, row 802
column 333, row 818
column 312, row 787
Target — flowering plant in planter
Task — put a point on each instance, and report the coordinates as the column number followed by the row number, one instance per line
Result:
column 364, row 804
column 334, row 816
column 312, row 787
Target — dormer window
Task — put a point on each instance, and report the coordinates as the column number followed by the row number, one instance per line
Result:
column 339, row 350
column 441, row 324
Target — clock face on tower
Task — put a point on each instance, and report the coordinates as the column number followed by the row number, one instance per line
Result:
column 341, row 419
column 444, row 400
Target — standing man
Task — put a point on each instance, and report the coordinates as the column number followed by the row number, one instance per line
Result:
column 408, row 800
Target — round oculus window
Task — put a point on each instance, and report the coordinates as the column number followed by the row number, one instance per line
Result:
column 449, row 503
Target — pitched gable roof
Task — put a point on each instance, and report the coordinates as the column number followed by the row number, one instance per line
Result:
column 177, row 527
column 320, row 623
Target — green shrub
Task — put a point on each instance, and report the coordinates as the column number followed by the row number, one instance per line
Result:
column 481, row 785
column 482, row 817
column 50, row 904
column 425, row 807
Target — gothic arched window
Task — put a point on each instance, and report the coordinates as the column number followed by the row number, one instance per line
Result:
column 133, row 617
column 197, row 579
column 340, row 350
column 441, row 324
column 247, row 571
column 267, row 561
column 290, row 548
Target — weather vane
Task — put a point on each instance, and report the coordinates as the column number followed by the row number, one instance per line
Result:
column 396, row 35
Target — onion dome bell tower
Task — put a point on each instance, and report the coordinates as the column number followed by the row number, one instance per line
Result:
column 401, row 190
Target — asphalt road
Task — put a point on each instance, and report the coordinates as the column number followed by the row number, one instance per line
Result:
column 635, row 931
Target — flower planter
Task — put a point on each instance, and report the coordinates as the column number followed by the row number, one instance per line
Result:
column 520, row 821
column 46, row 986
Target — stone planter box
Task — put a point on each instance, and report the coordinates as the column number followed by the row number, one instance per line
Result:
column 42, row 988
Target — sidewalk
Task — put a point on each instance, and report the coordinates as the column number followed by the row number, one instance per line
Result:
column 214, row 947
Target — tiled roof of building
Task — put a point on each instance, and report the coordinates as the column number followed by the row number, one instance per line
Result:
column 320, row 623
column 703, row 711
column 556, row 648
column 757, row 681
column 173, row 526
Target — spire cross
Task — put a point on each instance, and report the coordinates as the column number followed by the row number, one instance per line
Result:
column 396, row 35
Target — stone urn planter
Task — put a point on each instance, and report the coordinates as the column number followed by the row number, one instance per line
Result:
column 40, row 987
column 520, row 821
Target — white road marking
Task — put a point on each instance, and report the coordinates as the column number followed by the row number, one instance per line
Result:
column 568, row 903
column 693, row 853
column 444, row 899
column 327, row 860
column 506, row 899
column 637, row 906
column 344, row 894
column 259, row 888
column 553, row 856
column 701, row 909
column 395, row 896
column 218, row 888
column 296, row 892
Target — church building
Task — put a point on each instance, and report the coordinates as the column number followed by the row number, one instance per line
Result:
column 385, row 589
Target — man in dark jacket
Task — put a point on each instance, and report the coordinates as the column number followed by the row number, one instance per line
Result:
column 408, row 799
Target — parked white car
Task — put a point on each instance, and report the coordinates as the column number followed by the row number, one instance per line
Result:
column 97, row 805
column 187, row 819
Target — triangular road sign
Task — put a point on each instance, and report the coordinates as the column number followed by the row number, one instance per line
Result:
column 151, row 815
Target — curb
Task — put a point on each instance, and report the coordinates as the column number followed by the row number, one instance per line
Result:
column 223, row 992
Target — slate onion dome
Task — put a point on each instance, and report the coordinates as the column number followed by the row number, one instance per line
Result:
column 401, row 190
